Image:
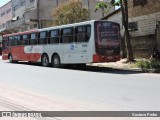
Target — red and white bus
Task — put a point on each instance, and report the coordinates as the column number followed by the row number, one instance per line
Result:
column 78, row 43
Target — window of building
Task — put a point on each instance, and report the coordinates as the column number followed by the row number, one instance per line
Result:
column 32, row 0
column 33, row 39
column 8, row 11
column 54, row 36
column 3, row 25
column 33, row 26
column 133, row 26
column 15, row 7
column 43, row 38
column 82, row 33
column 67, row 35
column 2, row 14
column 139, row 2
column 22, row 3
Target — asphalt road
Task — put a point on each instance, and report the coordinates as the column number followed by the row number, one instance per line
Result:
column 33, row 87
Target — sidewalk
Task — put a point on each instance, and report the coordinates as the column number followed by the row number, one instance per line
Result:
column 119, row 65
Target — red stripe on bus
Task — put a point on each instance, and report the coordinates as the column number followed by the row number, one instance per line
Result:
column 20, row 33
column 19, row 54
column 100, row 58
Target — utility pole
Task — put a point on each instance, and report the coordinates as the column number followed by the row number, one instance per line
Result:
column 38, row 16
column 89, row 9
column 57, row 2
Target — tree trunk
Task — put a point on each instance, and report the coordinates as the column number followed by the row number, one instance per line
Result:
column 102, row 12
column 124, row 9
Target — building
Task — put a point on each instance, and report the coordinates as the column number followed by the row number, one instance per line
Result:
column 5, row 16
column 115, row 16
column 90, row 4
column 33, row 14
column 144, row 25
column 144, row 16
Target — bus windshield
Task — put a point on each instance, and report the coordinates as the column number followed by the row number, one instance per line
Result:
column 107, row 38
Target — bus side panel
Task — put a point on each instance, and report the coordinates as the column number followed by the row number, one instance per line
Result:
column 21, row 53
column 32, row 53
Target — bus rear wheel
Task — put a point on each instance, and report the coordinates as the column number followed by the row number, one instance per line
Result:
column 45, row 60
column 56, row 62
column 10, row 58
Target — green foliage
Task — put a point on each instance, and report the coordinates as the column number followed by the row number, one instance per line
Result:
column 101, row 5
column 115, row 3
column 149, row 66
column 104, row 6
column 70, row 12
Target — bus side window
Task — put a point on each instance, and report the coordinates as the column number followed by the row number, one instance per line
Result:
column 18, row 40
column 88, row 32
column 33, row 39
column 10, row 41
column 43, row 38
column 82, row 33
column 67, row 35
column 25, row 40
column 4, row 42
column 54, row 36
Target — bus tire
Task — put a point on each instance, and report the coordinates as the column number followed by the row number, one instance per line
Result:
column 56, row 62
column 45, row 60
column 10, row 57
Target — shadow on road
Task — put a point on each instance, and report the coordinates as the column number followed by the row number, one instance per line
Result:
column 104, row 70
column 90, row 69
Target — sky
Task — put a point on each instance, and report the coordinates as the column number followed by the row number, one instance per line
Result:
column 2, row 2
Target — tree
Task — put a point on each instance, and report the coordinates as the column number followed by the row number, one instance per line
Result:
column 104, row 6
column 70, row 12
column 124, row 9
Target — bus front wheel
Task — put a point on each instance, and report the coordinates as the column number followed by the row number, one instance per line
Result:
column 45, row 60
column 56, row 62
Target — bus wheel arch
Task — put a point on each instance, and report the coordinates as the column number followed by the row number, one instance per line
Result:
column 45, row 60
column 10, row 58
column 56, row 61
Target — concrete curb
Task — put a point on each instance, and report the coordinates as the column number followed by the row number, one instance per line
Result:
column 120, row 68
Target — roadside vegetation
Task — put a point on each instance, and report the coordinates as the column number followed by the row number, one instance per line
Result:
column 152, row 66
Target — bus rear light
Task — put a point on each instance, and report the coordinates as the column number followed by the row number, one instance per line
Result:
column 96, row 58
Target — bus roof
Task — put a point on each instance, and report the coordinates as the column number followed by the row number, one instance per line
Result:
column 20, row 33
column 54, row 27
column 70, row 25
